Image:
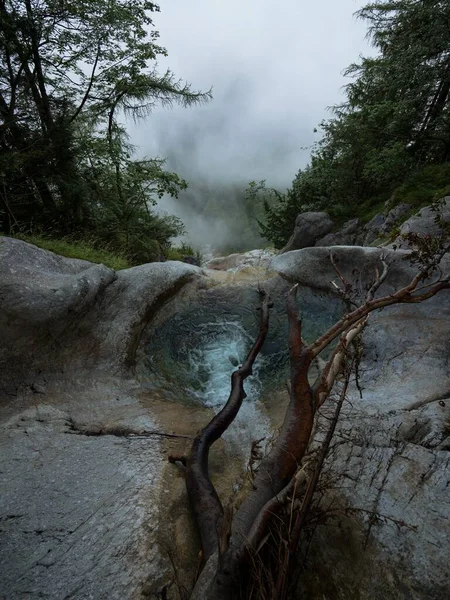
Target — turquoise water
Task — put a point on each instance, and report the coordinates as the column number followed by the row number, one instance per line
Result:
column 190, row 355
column 211, row 364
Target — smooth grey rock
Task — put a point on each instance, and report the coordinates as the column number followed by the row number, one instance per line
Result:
column 78, row 514
column 351, row 227
column 79, row 499
column 345, row 237
column 312, row 267
column 373, row 228
column 332, row 239
column 353, row 232
column 424, row 222
column 395, row 216
column 389, row 467
column 309, row 227
column 66, row 313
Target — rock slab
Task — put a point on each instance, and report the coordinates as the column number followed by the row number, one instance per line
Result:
column 390, row 464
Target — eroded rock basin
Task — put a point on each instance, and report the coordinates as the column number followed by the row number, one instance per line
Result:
column 190, row 351
column 97, row 391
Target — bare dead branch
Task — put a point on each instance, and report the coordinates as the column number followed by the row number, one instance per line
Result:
column 232, row 543
column 379, row 279
column 346, row 289
column 404, row 295
column 326, row 380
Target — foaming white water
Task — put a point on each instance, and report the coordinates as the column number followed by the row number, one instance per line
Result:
column 226, row 346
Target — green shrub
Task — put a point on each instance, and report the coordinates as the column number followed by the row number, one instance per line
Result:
column 178, row 253
column 423, row 186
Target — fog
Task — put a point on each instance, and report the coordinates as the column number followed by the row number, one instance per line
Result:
column 274, row 68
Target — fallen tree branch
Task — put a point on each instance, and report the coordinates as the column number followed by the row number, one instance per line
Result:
column 404, row 295
column 325, row 381
column 205, row 502
column 277, row 468
column 230, row 544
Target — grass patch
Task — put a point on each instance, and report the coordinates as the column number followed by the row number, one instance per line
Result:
column 80, row 249
column 178, row 253
column 424, row 186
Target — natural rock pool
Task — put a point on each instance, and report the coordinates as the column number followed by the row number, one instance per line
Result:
column 88, row 510
column 190, row 355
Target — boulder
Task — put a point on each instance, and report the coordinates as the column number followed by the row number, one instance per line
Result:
column 395, row 216
column 57, row 312
column 309, row 227
column 84, row 437
column 347, row 236
column 373, row 228
column 354, row 232
column 424, row 222
column 82, row 457
column 312, row 268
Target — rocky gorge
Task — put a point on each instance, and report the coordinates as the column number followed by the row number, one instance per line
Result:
column 104, row 373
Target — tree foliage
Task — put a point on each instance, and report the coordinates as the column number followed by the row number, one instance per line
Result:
column 395, row 119
column 69, row 72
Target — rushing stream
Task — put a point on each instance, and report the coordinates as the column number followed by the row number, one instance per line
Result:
column 225, row 346
column 190, row 354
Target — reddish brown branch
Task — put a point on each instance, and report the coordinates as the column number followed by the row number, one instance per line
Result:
column 295, row 325
column 272, row 508
column 301, row 515
column 294, row 538
column 274, row 478
column 205, row 501
column 277, row 469
column 404, row 295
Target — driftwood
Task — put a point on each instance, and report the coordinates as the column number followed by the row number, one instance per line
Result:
column 228, row 544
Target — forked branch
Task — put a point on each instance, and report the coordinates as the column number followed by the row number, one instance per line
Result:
column 228, row 543
column 205, row 502
column 404, row 295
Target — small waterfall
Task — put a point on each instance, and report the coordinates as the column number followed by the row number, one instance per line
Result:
column 225, row 346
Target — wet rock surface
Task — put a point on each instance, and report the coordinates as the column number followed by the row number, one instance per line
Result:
column 389, row 469
column 89, row 507
column 80, row 466
column 76, row 517
column 59, row 313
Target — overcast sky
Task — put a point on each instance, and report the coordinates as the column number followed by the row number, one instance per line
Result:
column 274, row 67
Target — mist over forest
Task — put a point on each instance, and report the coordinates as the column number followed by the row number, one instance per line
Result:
column 273, row 74
column 247, row 116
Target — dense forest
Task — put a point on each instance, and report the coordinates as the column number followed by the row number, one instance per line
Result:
column 71, row 73
column 389, row 141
